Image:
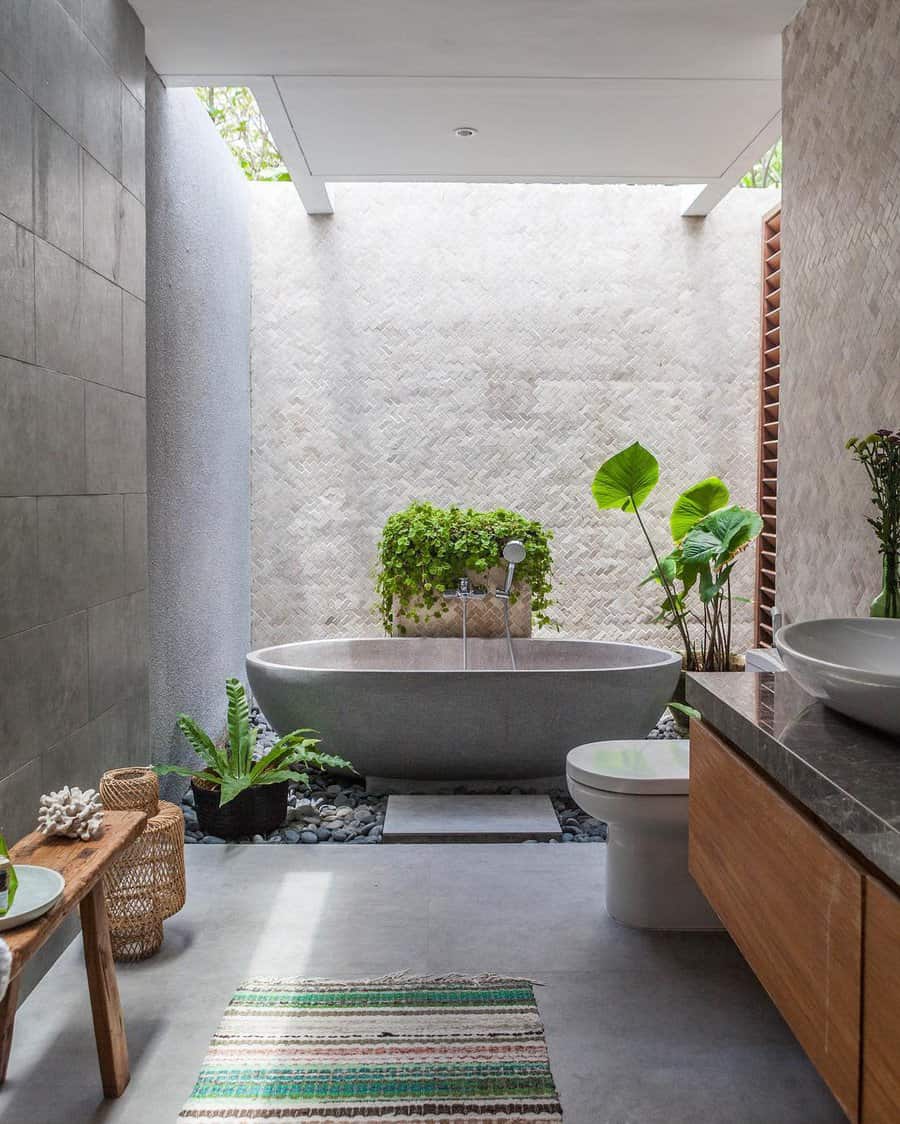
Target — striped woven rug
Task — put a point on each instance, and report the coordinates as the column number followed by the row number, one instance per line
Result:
column 447, row 1051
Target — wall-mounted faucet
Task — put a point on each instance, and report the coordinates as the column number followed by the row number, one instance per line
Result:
column 513, row 554
column 465, row 592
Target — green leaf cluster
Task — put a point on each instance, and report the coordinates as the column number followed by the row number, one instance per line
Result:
column 236, row 115
column 232, row 768
column 425, row 549
column 708, row 535
column 766, row 172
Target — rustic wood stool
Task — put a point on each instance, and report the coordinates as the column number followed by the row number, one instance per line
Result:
column 82, row 865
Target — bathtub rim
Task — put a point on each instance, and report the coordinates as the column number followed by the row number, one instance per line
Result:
column 256, row 656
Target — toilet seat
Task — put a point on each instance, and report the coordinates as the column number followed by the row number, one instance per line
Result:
column 638, row 768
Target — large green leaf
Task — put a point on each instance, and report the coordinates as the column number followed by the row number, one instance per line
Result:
column 327, row 761
column 233, row 786
column 276, row 776
column 692, row 505
column 186, row 771
column 239, row 726
column 626, row 479
column 700, row 547
column 202, row 743
column 718, row 537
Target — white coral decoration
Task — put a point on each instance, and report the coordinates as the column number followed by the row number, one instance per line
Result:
column 71, row 812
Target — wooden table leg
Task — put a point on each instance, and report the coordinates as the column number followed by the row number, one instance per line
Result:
column 109, row 1026
column 7, row 1022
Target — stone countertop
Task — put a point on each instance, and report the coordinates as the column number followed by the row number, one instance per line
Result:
column 846, row 774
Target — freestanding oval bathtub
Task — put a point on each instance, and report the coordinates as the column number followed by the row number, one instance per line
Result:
column 403, row 708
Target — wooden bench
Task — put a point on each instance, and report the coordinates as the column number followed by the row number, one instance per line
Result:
column 82, row 865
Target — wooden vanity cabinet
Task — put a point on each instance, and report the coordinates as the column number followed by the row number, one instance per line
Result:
column 791, row 900
column 881, row 1006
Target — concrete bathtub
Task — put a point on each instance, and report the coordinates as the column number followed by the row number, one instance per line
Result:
column 404, row 709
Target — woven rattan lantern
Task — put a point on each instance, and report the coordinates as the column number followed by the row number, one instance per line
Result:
column 147, row 884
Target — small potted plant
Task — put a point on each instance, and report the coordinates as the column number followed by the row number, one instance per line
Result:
column 709, row 533
column 234, row 793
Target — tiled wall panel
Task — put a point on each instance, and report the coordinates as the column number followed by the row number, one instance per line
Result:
column 73, row 543
column 840, row 349
column 490, row 345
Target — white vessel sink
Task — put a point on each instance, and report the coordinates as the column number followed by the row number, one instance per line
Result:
column 851, row 663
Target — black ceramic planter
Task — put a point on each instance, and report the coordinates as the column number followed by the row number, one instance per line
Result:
column 256, row 811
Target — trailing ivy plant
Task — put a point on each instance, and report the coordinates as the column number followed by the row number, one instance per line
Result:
column 425, row 549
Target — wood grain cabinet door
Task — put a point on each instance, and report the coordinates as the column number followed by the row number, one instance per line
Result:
column 881, row 1007
column 791, row 900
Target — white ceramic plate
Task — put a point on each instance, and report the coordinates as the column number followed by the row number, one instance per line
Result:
column 39, row 890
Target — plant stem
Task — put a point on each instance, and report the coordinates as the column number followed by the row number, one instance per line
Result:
column 670, row 596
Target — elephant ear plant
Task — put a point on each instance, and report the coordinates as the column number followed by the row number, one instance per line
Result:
column 230, row 772
column 708, row 535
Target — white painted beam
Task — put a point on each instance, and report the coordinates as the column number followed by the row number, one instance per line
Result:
column 311, row 189
column 699, row 204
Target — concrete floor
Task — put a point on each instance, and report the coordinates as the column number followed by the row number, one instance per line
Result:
column 642, row 1028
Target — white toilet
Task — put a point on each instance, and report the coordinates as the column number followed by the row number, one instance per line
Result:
column 640, row 790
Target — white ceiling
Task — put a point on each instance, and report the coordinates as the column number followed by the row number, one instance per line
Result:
column 662, row 91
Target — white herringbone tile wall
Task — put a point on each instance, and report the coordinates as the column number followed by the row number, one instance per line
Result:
column 490, row 345
column 840, row 320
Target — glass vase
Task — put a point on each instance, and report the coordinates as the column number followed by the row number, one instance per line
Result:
column 887, row 603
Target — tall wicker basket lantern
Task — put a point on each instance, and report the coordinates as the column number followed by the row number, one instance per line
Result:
column 147, row 884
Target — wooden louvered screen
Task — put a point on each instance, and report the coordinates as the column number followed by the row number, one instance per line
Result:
column 770, row 381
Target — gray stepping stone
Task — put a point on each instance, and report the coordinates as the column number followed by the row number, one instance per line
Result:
column 469, row 819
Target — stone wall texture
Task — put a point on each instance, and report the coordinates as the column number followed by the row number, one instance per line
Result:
column 198, row 435
column 73, row 542
column 840, row 310
column 490, row 345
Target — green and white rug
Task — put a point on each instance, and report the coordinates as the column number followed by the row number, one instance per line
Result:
column 391, row 1051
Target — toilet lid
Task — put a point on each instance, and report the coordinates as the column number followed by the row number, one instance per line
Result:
column 657, row 768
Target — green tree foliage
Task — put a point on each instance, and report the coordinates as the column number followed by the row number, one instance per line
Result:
column 766, row 172
column 236, row 115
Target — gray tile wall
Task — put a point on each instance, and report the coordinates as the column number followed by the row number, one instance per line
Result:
column 840, row 319
column 73, row 481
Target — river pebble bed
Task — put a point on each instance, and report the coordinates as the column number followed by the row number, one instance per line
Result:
column 338, row 811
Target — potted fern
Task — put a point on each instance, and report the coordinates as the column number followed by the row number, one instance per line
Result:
column 235, row 794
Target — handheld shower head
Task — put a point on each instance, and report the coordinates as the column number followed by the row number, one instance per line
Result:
column 513, row 553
